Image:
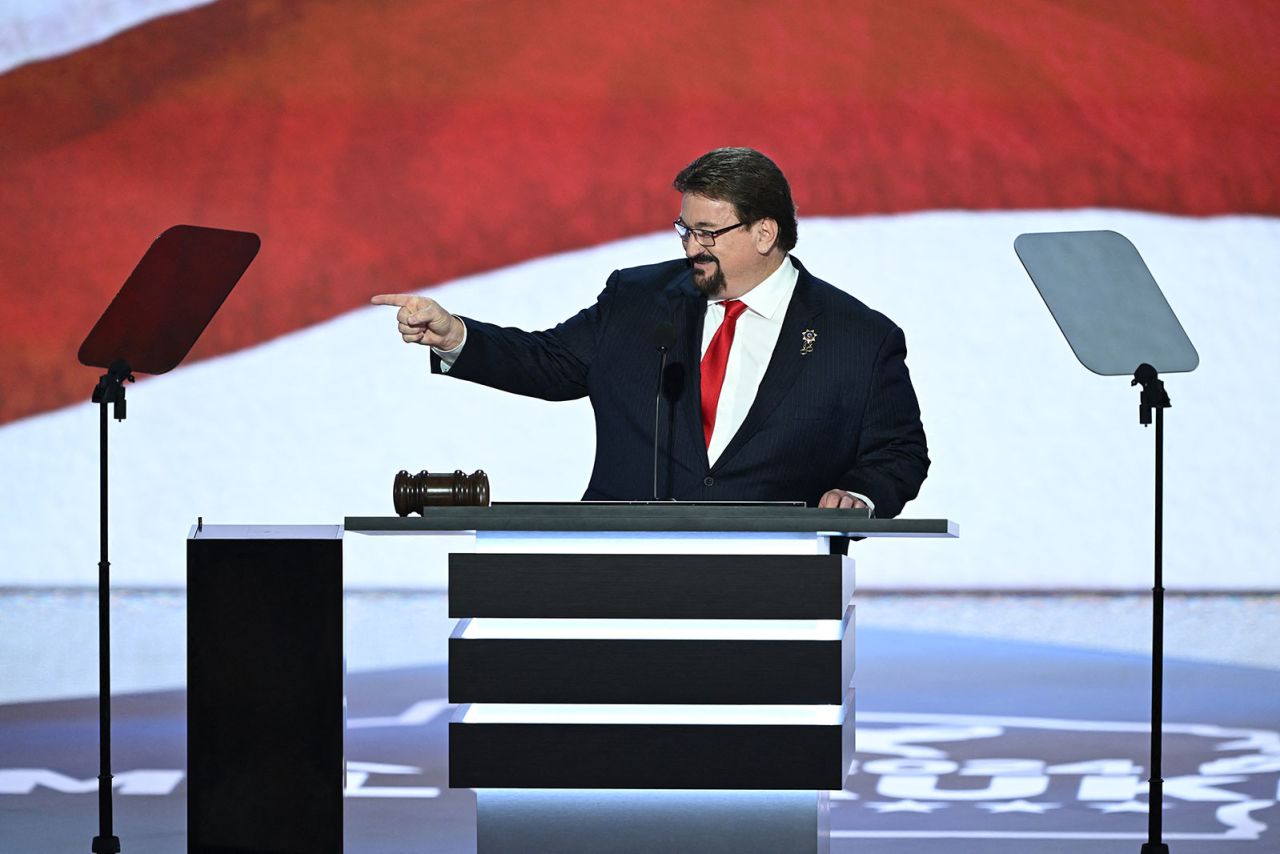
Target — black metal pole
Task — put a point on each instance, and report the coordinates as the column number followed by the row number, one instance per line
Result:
column 1154, row 397
column 104, row 644
column 110, row 392
column 1155, row 783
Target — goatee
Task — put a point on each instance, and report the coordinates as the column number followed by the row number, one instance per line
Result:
column 710, row 286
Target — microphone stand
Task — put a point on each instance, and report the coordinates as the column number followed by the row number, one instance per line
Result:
column 664, row 337
column 1153, row 397
column 109, row 391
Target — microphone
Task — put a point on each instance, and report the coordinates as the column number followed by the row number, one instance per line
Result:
column 664, row 338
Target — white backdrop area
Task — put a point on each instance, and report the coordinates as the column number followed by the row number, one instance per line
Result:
column 1042, row 463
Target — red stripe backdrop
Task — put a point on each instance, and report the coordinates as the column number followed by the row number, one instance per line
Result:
column 385, row 146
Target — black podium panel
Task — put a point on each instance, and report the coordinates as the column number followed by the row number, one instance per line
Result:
column 642, row 755
column 640, row 586
column 264, row 689
column 690, row 671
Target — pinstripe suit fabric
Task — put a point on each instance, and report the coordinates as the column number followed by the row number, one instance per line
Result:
column 842, row 415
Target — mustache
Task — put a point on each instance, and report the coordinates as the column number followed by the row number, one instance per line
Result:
column 704, row 258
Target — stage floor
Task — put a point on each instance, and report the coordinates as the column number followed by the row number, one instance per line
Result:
column 966, row 743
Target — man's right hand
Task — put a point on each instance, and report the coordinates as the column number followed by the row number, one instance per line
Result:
column 424, row 321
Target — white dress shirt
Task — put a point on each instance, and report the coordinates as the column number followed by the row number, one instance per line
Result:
column 753, row 341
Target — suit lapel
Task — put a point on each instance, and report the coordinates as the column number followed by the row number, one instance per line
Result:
column 784, row 365
column 688, row 311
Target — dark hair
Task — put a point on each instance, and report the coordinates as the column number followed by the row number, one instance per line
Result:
column 748, row 180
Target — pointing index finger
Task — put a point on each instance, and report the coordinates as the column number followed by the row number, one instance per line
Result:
column 391, row 299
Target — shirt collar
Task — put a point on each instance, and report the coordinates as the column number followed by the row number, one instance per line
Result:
column 774, row 292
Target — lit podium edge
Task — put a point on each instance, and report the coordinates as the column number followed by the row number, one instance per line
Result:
column 656, row 518
column 524, row 800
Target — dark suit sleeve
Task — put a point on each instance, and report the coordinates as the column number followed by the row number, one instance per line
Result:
column 892, row 458
column 551, row 365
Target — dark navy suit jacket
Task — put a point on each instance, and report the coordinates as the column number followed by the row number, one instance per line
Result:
column 842, row 415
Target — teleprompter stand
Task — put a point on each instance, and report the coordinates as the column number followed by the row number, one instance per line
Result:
column 1113, row 315
column 150, row 327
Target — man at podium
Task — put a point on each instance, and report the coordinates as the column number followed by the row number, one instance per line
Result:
column 777, row 386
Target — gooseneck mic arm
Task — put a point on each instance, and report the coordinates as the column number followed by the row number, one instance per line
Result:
column 664, row 338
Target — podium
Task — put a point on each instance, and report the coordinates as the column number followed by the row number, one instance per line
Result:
column 653, row 676
column 264, row 688
column 638, row 678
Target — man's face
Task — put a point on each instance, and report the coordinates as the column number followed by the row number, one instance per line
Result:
column 734, row 252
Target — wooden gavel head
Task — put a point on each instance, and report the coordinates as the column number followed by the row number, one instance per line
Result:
column 413, row 493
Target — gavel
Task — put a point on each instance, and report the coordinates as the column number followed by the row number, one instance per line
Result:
column 413, row 493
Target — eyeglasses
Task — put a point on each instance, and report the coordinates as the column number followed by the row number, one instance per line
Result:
column 704, row 237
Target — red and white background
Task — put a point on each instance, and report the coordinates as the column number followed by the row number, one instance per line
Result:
column 504, row 157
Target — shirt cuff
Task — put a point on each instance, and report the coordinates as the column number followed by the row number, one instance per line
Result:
column 871, row 505
column 448, row 357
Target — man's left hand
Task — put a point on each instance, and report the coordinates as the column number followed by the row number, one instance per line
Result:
column 838, row 498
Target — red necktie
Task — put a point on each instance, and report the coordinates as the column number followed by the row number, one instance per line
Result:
column 714, row 362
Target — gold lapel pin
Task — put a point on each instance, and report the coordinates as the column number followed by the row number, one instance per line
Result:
column 808, row 337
